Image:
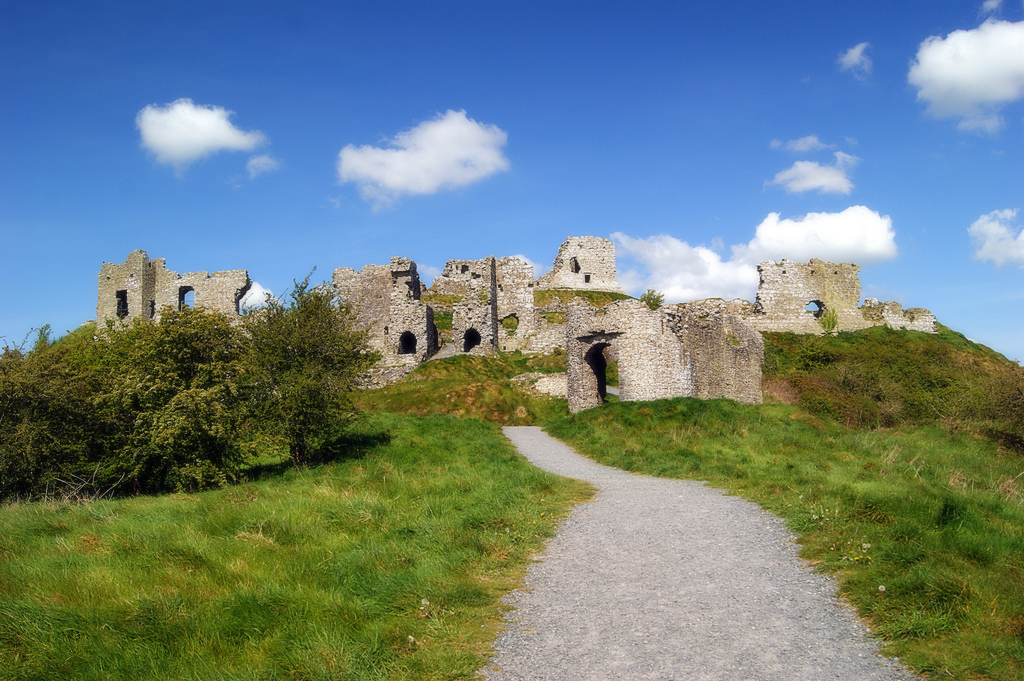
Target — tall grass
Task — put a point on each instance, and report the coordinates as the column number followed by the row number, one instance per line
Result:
column 923, row 529
column 386, row 564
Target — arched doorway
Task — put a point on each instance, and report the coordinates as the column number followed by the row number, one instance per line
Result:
column 407, row 343
column 595, row 360
column 470, row 340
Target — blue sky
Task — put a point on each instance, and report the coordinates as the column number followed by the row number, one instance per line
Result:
column 702, row 137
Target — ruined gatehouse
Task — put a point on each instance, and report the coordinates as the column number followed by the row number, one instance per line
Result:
column 703, row 349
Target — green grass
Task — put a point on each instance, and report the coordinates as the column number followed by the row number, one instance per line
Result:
column 933, row 517
column 471, row 386
column 387, row 564
column 440, row 300
column 544, row 298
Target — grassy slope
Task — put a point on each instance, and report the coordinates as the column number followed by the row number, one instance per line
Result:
column 386, row 565
column 474, row 386
column 930, row 508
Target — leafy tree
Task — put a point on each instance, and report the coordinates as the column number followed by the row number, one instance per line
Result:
column 50, row 430
column 652, row 299
column 304, row 354
column 176, row 399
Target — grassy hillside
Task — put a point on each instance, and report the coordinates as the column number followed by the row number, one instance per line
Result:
column 471, row 386
column 387, row 564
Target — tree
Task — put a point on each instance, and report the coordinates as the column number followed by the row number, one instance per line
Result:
column 177, row 400
column 652, row 299
column 303, row 356
column 50, row 431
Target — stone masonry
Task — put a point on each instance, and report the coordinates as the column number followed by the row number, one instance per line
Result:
column 583, row 263
column 142, row 288
column 793, row 296
column 386, row 299
column 704, row 349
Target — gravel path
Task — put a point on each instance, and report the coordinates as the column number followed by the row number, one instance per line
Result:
column 670, row 579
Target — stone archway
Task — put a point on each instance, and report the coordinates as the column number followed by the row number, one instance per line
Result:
column 470, row 340
column 594, row 367
column 407, row 343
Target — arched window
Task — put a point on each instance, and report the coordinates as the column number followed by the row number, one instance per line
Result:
column 407, row 343
column 470, row 340
column 186, row 297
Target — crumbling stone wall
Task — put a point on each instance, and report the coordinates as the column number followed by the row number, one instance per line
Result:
column 141, row 288
column 386, row 299
column 585, row 263
column 794, row 296
column 704, row 349
column 893, row 315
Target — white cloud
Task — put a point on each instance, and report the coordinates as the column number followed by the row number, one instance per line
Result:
column 257, row 165
column 684, row 272
column 971, row 74
column 256, row 296
column 181, row 132
column 991, row 6
column 449, row 151
column 538, row 268
column 857, row 234
column 994, row 238
column 808, row 143
column 807, row 175
column 856, row 62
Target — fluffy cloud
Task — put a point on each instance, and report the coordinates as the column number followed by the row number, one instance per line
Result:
column 256, row 296
column 857, row 234
column 257, row 165
column 449, row 151
column 808, row 143
column 181, row 132
column 684, row 272
column 971, row 74
column 856, row 62
column 807, row 175
column 994, row 238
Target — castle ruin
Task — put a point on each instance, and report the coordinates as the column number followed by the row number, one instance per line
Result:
column 794, row 296
column 142, row 288
column 705, row 349
column 386, row 301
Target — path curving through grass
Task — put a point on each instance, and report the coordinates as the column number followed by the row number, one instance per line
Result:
column 671, row 579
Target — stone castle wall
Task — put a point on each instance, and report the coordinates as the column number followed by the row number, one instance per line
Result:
column 143, row 288
column 794, row 296
column 583, row 263
column 704, row 350
column 386, row 300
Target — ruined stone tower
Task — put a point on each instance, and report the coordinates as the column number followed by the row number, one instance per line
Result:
column 142, row 288
column 386, row 299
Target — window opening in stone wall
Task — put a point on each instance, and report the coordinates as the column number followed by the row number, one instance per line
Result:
column 407, row 343
column 597, row 363
column 470, row 340
column 122, row 304
column 186, row 297
column 586, row 278
column 152, row 309
column 816, row 307
column 465, row 268
column 574, row 265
